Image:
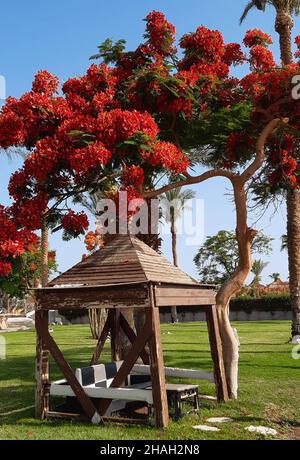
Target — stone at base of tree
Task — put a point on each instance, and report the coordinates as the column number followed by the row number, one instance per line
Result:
column 206, row 428
column 295, row 340
column 262, row 430
column 219, row 420
column 208, row 398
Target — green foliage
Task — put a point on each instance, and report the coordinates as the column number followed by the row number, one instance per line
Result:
column 26, row 270
column 174, row 203
column 218, row 257
column 257, row 269
column 73, row 314
column 109, row 52
column 213, row 130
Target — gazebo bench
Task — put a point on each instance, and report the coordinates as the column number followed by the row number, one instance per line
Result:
column 96, row 381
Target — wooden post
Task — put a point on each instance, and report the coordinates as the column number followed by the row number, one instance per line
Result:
column 42, row 354
column 216, row 353
column 65, row 368
column 41, row 367
column 160, row 401
column 128, row 364
column 115, row 334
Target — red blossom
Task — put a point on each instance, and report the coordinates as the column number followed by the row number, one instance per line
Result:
column 75, row 224
column 233, row 54
column 134, row 175
column 160, row 34
column 261, row 58
column 255, row 37
column 45, row 83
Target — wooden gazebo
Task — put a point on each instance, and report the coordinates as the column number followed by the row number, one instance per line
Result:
column 126, row 273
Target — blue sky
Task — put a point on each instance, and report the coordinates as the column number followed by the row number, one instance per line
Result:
column 61, row 35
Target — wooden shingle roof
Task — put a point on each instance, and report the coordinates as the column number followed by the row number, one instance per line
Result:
column 124, row 260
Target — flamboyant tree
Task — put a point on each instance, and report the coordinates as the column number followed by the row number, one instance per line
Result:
column 154, row 111
column 285, row 10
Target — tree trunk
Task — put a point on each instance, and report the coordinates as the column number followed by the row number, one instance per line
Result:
column 229, row 337
column 283, row 27
column 293, row 209
column 174, row 315
column 97, row 317
column 125, row 343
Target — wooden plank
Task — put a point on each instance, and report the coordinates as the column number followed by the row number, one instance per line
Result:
column 41, row 367
column 101, row 342
column 191, row 374
column 216, row 353
column 65, row 368
column 183, row 292
column 91, row 297
column 128, row 364
column 115, row 341
column 160, row 401
column 132, row 337
column 184, row 302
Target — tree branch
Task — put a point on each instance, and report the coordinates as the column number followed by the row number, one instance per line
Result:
column 189, row 181
column 260, row 148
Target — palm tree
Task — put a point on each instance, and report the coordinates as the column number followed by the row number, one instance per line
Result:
column 284, row 243
column 257, row 269
column 275, row 277
column 285, row 10
column 284, row 23
column 173, row 205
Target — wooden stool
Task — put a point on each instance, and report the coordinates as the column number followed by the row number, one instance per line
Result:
column 178, row 393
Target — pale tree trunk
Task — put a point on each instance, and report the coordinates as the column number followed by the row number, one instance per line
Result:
column 229, row 338
column 283, row 27
column 174, row 314
column 97, row 318
column 293, row 207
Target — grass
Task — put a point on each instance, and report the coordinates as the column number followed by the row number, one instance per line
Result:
column 269, row 384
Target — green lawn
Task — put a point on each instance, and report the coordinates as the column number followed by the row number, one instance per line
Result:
column 269, row 384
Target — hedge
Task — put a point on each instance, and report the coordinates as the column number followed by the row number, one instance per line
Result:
column 266, row 303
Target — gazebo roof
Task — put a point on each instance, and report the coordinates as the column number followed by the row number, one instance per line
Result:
column 124, row 260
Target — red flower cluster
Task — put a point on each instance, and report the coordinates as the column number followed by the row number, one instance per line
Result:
column 167, row 155
column 13, row 242
column 75, row 224
column 35, row 115
column 134, row 175
column 90, row 158
column 93, row 241
column 45, row 83
column 11, row 130
column 207, row 45
column 233, row 54
column 120, row 125
column 256, row 37
column 261, row 59
column 297, row 42
column 285, row 166
column 160, row 34
column 235, row 146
